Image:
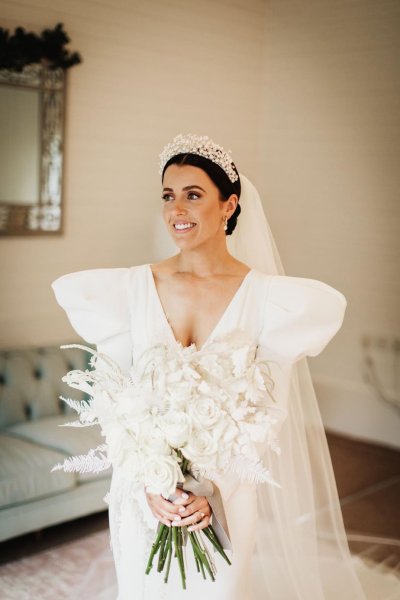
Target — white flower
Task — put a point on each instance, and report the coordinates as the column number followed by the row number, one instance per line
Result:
column 201, row 449
column 176, row 427
column 205, row 411
column 161, row 475
column 152, row 440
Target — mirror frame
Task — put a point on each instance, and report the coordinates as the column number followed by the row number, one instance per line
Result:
column 46, row 216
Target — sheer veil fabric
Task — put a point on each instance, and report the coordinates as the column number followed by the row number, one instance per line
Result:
column 301, row 546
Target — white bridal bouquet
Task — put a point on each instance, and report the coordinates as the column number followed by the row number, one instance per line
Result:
column 178, row 411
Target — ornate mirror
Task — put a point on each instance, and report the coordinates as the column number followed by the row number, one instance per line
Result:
column 32, row 106
column 31, row 150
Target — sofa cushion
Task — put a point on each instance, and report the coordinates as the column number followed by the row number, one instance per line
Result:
column 14, row 400
column 31, row 382
column 25, row 473
column 69, row 440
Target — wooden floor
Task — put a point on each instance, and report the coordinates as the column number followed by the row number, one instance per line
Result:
column 368, row 481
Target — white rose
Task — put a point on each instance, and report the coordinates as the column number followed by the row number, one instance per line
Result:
column 201, row 449
column 161, row 475
column 205, row 411
column 153, row 440
column 176, row 427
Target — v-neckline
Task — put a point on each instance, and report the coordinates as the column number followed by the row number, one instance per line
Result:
column 217, row 325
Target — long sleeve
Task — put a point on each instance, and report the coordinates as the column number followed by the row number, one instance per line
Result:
column 97, row 306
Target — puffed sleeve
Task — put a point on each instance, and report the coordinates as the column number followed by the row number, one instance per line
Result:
column 301, row 316
column 97, row 305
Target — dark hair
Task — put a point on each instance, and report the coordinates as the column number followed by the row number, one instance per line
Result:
column 225, row 186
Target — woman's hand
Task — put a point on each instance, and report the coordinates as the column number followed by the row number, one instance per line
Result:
column 186, row 509
column 164, row 510
column 195, row 511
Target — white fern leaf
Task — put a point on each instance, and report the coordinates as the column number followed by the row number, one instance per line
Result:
column 252, row 471
column 99, row 355
column 79, row 381
column 85, row 463
column 77, row 405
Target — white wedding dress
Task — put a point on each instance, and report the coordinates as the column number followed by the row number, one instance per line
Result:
column 288, row 318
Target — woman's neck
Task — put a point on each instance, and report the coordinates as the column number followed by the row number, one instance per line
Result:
column 204, row 264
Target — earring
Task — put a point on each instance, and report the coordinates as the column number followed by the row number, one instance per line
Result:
column 226, row 223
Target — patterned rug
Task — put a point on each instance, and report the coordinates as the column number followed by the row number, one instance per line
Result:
column 63, row 572
column 85, row 569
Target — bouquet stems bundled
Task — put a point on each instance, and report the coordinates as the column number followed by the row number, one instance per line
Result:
column 170, row 540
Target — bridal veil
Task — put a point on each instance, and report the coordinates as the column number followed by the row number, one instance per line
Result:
column 301, row 547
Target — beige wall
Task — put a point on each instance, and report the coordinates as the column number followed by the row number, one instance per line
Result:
column 150, row 70
column 330, row 152
column 306, row 96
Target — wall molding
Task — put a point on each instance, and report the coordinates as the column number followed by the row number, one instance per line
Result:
column 353, row 409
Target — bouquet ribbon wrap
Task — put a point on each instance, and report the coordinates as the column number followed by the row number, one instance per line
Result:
column 200, row 486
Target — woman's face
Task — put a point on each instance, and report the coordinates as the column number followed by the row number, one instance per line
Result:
column 192, row 209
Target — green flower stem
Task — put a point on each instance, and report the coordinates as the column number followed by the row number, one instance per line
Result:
column 179, row 556
column 180, row 546
column 184, row 462
column 212, row 530
column 169, row 550
column 202, row 555
column 202, row 569
column 214, row 538
column 199, row 562
column 161, row 556
column 216, row 543
column 154, row 548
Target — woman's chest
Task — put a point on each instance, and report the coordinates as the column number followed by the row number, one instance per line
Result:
column 150, row 324
column 194, row 308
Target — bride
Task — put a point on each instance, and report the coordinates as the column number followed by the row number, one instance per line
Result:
column 284, row 542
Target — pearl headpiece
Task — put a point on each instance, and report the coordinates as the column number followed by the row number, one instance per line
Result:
column 202, row 145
